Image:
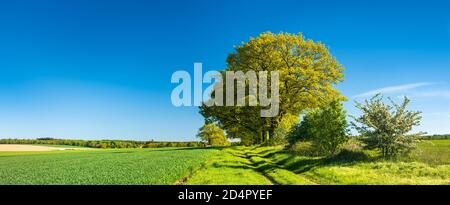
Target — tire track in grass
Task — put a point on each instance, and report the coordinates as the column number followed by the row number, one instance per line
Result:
column 275, row 173
column 228, row 167
column 256, row 166
column 242, row 165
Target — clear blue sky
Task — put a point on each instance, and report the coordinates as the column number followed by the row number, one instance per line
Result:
column 101, row 69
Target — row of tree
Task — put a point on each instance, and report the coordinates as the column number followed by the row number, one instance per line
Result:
column 436, row 137
column 102, row 143
column 307, row 76
column 381, row 126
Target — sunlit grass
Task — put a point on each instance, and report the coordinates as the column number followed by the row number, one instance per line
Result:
column 272, row 165
column 229, row 166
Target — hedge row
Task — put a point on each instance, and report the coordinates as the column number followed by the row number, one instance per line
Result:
column 102, row 143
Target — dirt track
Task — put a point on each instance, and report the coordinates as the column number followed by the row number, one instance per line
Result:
column 25, row 148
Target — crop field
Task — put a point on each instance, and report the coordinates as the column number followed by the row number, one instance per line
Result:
column 119, row 166
column 434, row 152
column 36, row 148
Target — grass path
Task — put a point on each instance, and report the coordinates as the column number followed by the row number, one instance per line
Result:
column 245, row 166
column 229, row 166
column 273, row 166
column 277, row 174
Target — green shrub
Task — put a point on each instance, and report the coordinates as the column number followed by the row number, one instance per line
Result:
column 305, row 149
column 299, row 131
column 350, row 156
column 353, row 144
column 326, row 128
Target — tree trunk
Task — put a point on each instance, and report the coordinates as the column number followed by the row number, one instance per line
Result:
column 263, row 136
column 259, row 138
column 271, row 133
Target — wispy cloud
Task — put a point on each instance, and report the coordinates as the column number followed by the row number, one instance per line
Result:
column 394, row 89
column 437, row 114
column 442, row 94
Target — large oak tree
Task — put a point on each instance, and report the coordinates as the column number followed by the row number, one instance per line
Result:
column 307, row 75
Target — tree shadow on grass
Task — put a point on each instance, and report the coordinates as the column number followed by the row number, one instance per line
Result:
column 260, row 167
column 269, row 161
column 268, row 153
column 344, row 158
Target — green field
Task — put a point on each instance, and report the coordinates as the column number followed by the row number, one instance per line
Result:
column 433, row 152
column 119, row 166
column 232, row 166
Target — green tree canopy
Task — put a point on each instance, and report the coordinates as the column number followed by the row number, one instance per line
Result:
column 307, row 75
column 328, row 128
column 213, row 135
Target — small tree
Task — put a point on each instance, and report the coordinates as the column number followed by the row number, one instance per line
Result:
column 213, row 135
column 328, row 128
column 386, row 127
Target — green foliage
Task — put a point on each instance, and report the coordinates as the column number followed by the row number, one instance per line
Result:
column 350, row 156
column 353, row 144
column 100, row 166
column 299, row 131
column 213, row 135
column 279, row 138
column 326, row 128
column 307, row 75
column 386, row 127
column 304, row 148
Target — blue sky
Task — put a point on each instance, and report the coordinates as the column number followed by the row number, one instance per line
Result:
column 101, row 69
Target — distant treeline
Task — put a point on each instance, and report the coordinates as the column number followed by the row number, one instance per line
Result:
column 102, row 143
column 426, row 137
column 436, row 137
